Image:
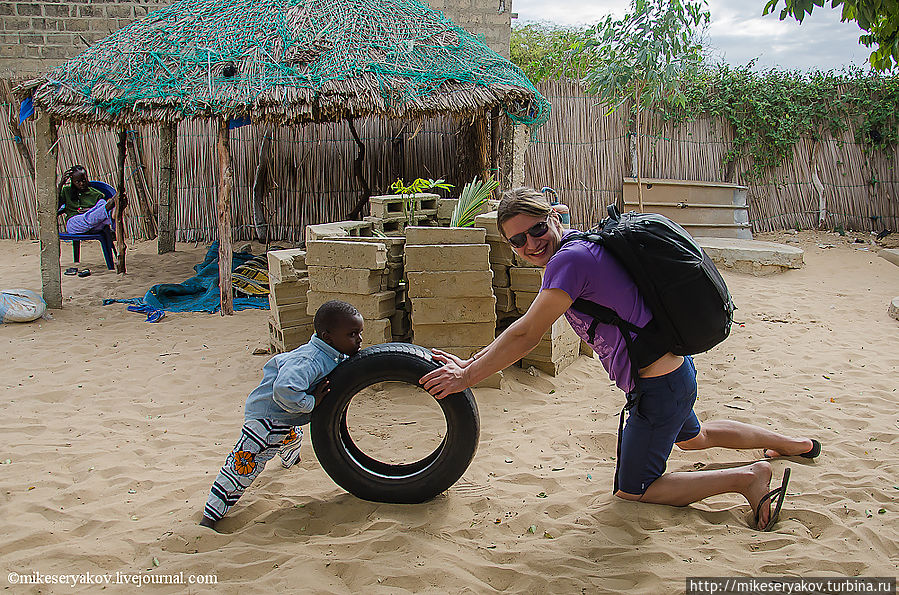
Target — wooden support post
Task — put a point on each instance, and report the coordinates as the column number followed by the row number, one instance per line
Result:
column 496, row 136
column 145, row 205
column 356, row 213
column 168, row 191
column 120, row 200
column 226, row 182
column 47, row 204
column 483, row 145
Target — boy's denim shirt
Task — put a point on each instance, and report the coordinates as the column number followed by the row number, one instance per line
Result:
column 287, row 381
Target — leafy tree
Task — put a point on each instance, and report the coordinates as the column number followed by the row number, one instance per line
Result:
column 542, row 51
column 644, row 57
column 880, row 18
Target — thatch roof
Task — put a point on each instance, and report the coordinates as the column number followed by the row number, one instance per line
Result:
column 285, row 62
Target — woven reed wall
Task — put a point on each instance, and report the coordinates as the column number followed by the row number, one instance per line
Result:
column 581, row 152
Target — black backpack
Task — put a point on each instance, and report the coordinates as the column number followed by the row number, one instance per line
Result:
column 691, row 307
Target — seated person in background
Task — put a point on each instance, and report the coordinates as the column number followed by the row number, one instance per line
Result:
column 86, row 208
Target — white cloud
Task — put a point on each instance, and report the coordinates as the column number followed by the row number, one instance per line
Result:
column 738, row 32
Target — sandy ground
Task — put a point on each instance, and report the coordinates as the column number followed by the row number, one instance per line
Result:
column 113, row 430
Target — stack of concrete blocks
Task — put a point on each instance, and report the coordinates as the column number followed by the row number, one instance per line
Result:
column 390, row 217
column 502, row 257
column 560, row 345
column 338, row 229
column 400, row 323
column 289, row 324
column 450, row 287
column 354, row 272
column 445, row 208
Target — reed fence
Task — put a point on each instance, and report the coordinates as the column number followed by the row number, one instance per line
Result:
column 581, row 152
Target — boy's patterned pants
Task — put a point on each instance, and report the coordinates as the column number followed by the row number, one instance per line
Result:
column 260, row 440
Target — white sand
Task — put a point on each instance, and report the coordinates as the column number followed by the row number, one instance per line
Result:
column 114, row 429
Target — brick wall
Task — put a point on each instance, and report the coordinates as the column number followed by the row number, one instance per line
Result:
column 37, row 35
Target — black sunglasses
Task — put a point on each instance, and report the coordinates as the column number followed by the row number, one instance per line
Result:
column 536, row 231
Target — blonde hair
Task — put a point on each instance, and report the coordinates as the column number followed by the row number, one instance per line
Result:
column 521, row 201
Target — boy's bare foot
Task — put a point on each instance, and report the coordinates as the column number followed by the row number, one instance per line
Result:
column 208, row 522
column 759, row 485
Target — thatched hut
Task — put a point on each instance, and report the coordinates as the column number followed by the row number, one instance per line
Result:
column 282, row 62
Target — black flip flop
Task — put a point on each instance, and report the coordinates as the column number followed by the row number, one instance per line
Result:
column 812, row 453
column 85, row 273
column 780, row 493
column 71, row 271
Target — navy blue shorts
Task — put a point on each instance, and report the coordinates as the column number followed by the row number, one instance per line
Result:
column 662, row 415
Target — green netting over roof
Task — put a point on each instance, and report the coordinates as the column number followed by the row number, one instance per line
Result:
column 286, row 61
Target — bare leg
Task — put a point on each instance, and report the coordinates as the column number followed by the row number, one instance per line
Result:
column 682, row 488
column 733, row 434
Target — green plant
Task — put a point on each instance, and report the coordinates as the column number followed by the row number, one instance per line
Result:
column 408, row 193
column 474, row 195
column 645, row 57
column 542, row 51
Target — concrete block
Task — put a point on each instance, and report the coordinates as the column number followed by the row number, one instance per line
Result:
column 372, row 306
column 390, row 205
column 400, row 323
column 284, row 265
column 586, row 349
column 436, row 335
column 376, row 331
column 454, row 257
column 505, row 299
column 445, row 207
column 500, row 275
column 893, row 309
column 501, row 253
column 291, row 337
column 555, row 350
column 525, row 278
column 524, row 299
column 346, row 280
column 450, row 284
column 394, row 245
column 429, row 236
column 551, row 368
column 288, row 292
column 520, row 262
column 444, row 310
column 751, row 256
column 338, row 229
column 290, row 314
column 891, row 254
column 492, row 381
column 360, row 255
column 394, row 274
column 488, row 222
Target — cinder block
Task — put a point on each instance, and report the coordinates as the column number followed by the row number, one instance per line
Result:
column 288, row 292
column 435, row 335
column 445, row 207
column 520, row 262
column 394, row 274
column 501, row 253
column 444, row 310
column 488, row 222
column 500, row 275
column 371, row 306
column 551, row 368
column 524, row 299
column 376, row 331
column 360, row 255
column 586, row 349
column 526, row 278
column 290, row 314
column 284, row 265
column 555, row 350
column 450, row 284
column 291, row 337
column 429, row 236
column 394, row 245
column 338, row 229
column 454, row 257
column 346, row 280
column 492, row 381
column 505, row 299
column 400, row 323
column 390, row 205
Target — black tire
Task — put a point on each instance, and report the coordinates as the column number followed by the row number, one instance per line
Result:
column 374, row 480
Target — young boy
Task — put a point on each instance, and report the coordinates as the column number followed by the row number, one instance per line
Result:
column 291, row 386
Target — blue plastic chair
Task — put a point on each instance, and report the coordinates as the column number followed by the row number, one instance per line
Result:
column 104, row 236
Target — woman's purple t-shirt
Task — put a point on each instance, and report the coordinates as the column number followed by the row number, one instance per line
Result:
column 586, row 270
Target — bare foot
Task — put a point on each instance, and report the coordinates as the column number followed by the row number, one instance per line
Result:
column 802, row 446
column 759, row 485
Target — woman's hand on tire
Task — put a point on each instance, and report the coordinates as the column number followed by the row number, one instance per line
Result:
column 447, row 379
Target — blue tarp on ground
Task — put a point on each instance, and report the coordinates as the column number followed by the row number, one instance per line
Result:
column 200, row 293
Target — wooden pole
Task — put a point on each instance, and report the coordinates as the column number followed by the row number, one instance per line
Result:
column 145, row 205
column 639, row 153
column 168, row 191
column 360, row 174
column 226, row 183
column 120, row 200
column 47, row 204
column 496, row 135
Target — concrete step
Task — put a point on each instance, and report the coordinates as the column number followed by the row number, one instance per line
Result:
column 752, row 256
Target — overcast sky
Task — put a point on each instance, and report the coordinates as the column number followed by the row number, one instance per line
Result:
column 738, row 31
